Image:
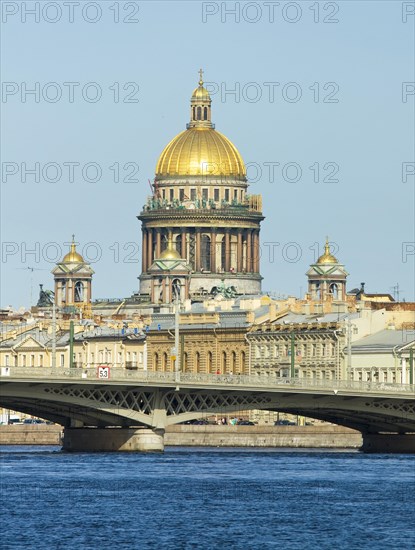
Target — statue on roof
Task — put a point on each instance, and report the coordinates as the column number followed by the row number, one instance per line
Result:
column 46, row 297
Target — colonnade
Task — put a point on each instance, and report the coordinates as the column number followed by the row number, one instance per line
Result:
column 238, row 248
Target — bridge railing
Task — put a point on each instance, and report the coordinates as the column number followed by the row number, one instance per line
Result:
column 118, row 374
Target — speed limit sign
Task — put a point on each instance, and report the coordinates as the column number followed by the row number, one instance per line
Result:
column 103, row 372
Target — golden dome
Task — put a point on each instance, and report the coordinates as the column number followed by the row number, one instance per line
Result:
column 170, row 253
column 200, row 93
column 73, row 257
column 200, row 151
column 327, row 258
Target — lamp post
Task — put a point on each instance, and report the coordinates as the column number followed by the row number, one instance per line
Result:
column 292, row 372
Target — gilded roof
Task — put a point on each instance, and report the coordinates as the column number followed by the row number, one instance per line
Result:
column 200, row 151
column 327, row 257
column 73, row 257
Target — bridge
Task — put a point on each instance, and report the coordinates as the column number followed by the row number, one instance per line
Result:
column 131, row 409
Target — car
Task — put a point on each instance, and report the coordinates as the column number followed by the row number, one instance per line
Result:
column 245, row 423
column 33, row 421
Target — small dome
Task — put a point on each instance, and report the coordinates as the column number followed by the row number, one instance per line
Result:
column 73, row 257
column 327, row 257
column 170, row 253
column 201, row 94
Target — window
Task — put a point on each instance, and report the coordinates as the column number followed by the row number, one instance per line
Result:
column 140, row 357
column 242, row 361
column 233, row 362
column 171, row 195
column 181, row 195
column 7, row 360
column 205, row 113
column 205, row 256
column 92, row 357
column 41, row 360
column 314, row 350
column 79, row 292
column 199, row 113
column 227, row 195
column 119, row 357
column 209, row 362
column 62, row 359
column 192, row 194
column 224, row 362
column 205, row 193
column 235, row 194
column 216, row 195
column 134, row 357
column 23, row 360
column 163, row 193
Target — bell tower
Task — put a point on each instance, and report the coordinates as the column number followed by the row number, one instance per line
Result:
column 73, row 280
column 327, row 278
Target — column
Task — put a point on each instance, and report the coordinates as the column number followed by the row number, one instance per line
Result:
column 184, row 245
column 249, row 251
column 239, row 253
column 144, row 251
column 149, row 247
column 227, row 250
column 256, row 252
column 213, row 251
column 197, row 262
column 158, row 243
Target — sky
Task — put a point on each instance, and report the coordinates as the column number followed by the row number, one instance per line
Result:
column 317, row 96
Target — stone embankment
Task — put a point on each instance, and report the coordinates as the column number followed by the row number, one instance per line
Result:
column 322, row 436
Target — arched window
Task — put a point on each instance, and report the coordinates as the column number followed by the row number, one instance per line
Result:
column 233, row 362
column 197, row 362
column 164, row 361
column 209, row 362
column 317, row 292
column 79, row 292
column 64, row 291
column 185, row 362
column 223, row 366
column 205, row 259
column 179, row 247
column 199, row 113
column 194, row 113
column 223, row 253
column 242, row 369
column 176, row 287
column 163, row 244
column 334, row 290
column 155, row 361
column 205, row 113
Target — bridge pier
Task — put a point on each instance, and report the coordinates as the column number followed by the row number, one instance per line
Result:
column 113, row 439
column 389, row 443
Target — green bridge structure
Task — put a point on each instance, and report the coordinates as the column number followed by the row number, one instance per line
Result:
column 129, row 410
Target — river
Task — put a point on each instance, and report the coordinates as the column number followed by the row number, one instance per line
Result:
column 197, row 498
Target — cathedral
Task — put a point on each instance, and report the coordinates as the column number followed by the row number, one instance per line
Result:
column 200, row 227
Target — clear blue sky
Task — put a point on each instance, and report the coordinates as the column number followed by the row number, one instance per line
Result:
column 368, row 132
